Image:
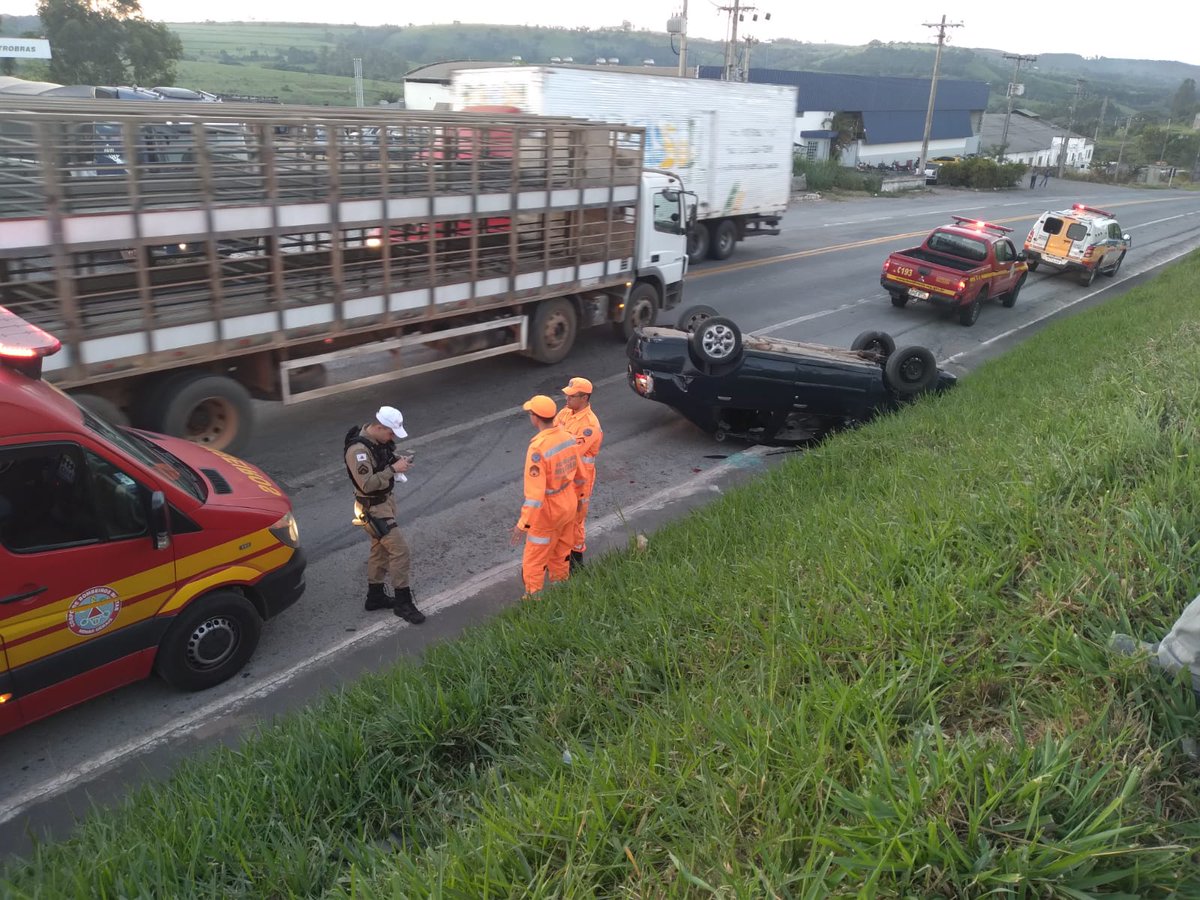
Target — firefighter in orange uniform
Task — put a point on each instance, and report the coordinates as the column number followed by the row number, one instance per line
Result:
column 578, row 417
column 553, row 485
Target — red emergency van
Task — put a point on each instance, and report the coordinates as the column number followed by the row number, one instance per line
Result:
column 123, row 552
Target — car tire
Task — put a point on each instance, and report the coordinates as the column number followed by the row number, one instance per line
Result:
column 198, row 406
column 910, row 370
column 1111, row 273
column 697, row 243
column 1087, row 276
column 723, row 240
column 1009, row 300
column 878, row 342
column 640, row 310
column 552, row 332
column 900, row 300
column 209, row 641
column 693, row 316
column 968, row 315
column 716, row 342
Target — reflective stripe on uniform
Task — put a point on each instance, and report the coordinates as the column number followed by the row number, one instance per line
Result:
column 552, row 491
column 565, row 445
column 537, row 503
column 537, row 540
column 588, row 459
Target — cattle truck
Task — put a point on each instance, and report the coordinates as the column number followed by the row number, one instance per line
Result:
column 191, row 260
column 732, row 143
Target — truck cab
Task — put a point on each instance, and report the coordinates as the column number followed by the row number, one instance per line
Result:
column 123, row 552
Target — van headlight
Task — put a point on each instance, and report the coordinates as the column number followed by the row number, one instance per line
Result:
column 286, row 531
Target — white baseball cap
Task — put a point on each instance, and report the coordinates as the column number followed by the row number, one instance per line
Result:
column 389, row 417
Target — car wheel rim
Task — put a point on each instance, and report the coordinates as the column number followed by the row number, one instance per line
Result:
column 212, row 643
column 911, row 371
column 718, row 342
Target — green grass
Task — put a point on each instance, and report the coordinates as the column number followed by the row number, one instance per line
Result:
column 289, row 87
column 878, row 670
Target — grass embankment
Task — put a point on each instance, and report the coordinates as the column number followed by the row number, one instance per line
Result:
column 878, row 670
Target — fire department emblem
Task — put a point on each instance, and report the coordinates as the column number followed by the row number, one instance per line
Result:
column 93, row 610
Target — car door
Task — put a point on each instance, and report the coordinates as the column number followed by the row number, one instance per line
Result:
column 1006, row 267
column 80, row 579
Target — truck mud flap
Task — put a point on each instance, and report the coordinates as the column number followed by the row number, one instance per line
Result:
column 376, row 362
column 762, row 225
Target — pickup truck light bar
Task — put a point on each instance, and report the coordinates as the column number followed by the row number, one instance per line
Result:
column 23, row 346
column 980, row 224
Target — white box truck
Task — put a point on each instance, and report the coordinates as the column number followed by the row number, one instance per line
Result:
column 730, row 142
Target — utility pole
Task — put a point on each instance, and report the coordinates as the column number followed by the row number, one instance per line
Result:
column 683, row 42
column 1099, row 124
column 358, row 82
column 1012, row 92
column 750, row 42
column 731, row 45
column 1124, row 137
column 1062, row 151
column 1162, row 157
column 937, row 61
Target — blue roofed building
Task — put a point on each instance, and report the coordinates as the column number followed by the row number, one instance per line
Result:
column 884, row 116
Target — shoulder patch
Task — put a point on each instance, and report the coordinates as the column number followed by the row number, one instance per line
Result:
column 534, row 471
column 587, row 432
column 360, row 457
column 364, row 470
column 535, row 457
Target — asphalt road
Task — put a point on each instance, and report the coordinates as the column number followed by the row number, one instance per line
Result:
column 818, row 282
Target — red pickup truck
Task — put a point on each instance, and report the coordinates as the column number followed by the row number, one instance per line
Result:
column 959, row 266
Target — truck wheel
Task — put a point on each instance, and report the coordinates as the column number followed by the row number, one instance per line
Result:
column 969, row 314
column 1087, row 276
column 716, row 342
column 724, row 239
column 1009, row 300
column 640, row 310
column 697, row 243
column 213, row 410
column 552, row 334
column 877, row 342
column 103, row 408
column 910, row 370
column 209, row 641
column 899, row 300
column 693, row 316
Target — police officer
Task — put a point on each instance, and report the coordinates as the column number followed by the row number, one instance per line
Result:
column 373, row 466
column 553, row 485
column 578, row 418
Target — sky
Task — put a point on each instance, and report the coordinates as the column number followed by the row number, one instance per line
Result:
column 1097, row 28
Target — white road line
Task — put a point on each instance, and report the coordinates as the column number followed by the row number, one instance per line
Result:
column 999, row 337
column 185, row 725
column 815, row 315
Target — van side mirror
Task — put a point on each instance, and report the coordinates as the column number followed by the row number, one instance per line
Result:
column 160, row 521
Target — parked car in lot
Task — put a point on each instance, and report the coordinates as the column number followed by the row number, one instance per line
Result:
column 960, row 266
column 1082, row 240
column 773, row 391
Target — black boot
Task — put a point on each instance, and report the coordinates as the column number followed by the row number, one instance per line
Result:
column 576, row 560
column 405, row 608
column 377, row 598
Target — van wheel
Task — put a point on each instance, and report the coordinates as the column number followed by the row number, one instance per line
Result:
column 103, row 408
column 213, row 410
column 724, row 239
column 641, row 309
column 1009, row 300
column 552, row 334
column 697, row 243
column 1087, row 276
column 1116, row 267
column 1032, row 263
column 209, row 642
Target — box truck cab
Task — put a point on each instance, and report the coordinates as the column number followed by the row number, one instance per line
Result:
column 123, row 552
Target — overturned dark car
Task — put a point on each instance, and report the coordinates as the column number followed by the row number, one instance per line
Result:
column 772, row 391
